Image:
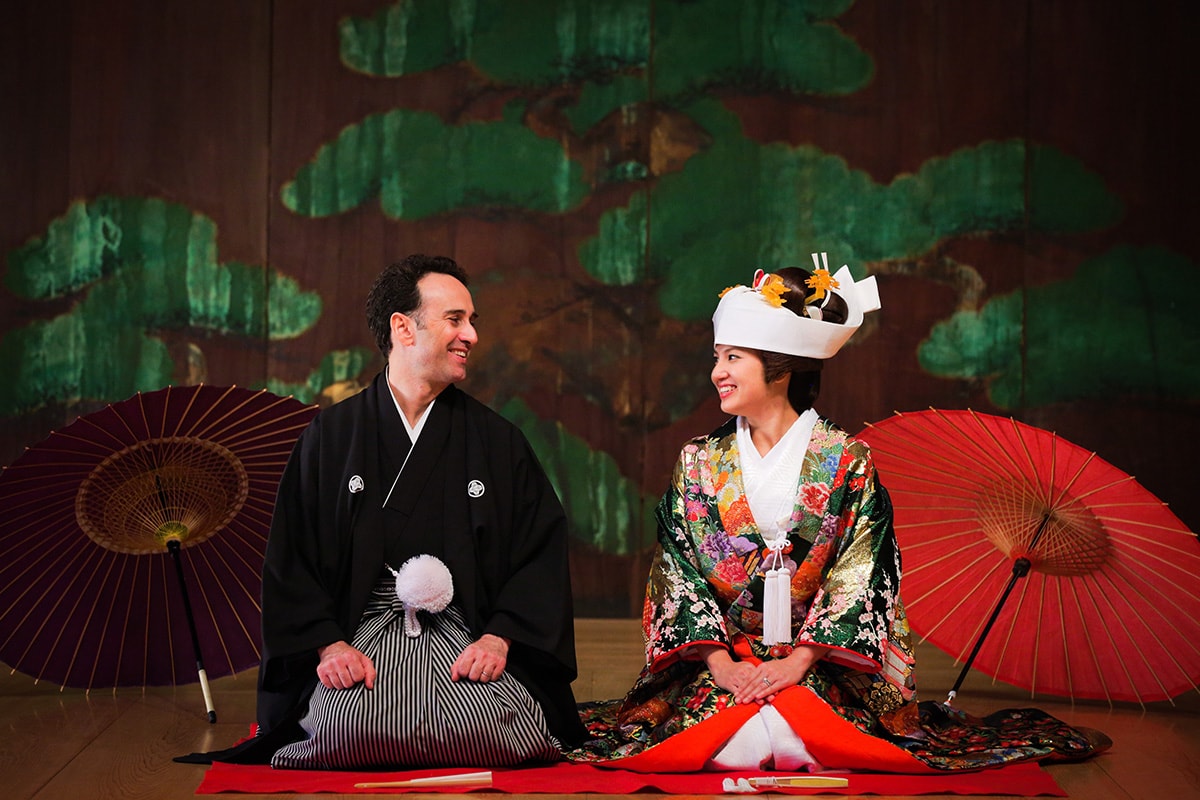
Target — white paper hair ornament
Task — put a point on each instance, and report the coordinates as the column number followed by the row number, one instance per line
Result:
column 745, row 317
column 423, row 583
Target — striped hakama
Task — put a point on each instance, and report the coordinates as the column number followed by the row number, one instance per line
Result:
column 416, row 716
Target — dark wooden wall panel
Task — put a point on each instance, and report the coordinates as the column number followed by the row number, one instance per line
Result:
column 141, row 99
column 35, row 66
column 217, row 105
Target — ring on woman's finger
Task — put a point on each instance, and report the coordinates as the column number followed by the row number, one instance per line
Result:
column 766, row 681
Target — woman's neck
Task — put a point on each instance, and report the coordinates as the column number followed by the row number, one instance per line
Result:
column 768, row 428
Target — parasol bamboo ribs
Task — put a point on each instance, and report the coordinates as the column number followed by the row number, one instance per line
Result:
column 1020, row 569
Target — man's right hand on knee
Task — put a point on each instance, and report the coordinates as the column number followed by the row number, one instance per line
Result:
column 343, row 667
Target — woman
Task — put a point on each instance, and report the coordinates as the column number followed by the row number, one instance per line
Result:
column 775, row 634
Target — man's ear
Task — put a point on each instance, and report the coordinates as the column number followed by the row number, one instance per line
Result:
column 404, row 331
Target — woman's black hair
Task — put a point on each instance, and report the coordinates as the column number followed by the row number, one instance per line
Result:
column 805, row 383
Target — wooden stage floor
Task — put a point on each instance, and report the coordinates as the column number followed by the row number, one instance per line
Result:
column 68, row 745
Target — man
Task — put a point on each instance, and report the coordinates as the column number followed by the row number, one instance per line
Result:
column 413, row 466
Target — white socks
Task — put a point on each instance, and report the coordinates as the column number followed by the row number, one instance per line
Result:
column 766, row 741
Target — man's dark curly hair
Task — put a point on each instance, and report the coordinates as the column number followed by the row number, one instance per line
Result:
column 395, row 290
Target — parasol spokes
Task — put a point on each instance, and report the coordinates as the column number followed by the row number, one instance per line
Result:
column 1020, row 568
column 1068, row 538
column 215, row 455
column 1108, row 610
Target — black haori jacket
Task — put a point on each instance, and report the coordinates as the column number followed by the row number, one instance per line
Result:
column 506, row 547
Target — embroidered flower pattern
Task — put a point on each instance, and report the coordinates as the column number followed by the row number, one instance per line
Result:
column 715, row 546
column 715, row 526
column 696, row 510
column 730, row 573
column 814, row 497
column 737, row 517
column 704, row 585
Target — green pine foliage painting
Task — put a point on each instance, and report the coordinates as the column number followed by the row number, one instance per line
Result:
column 130, row 266
column 789, row 197
column 625, row 103
column 711, row 197
column 699, row 45
column 1118, row 327
column 331, row 380
column 420, row 167
column 603, row 506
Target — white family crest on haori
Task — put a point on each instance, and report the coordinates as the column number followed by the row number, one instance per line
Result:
column 423, row 583
column 356, row 484
column 475, row 488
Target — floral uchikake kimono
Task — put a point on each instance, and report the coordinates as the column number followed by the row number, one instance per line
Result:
column 857, row 707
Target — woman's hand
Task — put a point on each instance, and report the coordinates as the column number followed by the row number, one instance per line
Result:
column 483, row 660
column 730, row 675
column 343, row 667
column 771, row 677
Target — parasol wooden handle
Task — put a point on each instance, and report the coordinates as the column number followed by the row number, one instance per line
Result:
column 1020, row 569
column 173, row 547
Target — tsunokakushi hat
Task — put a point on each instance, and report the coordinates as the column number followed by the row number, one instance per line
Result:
column 754, row 316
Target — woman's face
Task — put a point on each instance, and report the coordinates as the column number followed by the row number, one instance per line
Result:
column 741, row 383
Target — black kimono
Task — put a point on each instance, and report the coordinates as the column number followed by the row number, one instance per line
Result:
column 500, row 530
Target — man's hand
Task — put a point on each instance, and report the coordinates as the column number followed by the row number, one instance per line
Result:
column 342, row 667
column 481, row 661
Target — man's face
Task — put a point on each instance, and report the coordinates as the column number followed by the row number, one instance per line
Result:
column 444, row 330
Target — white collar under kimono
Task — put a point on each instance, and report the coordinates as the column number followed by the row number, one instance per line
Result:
column 414, row 431
column 770, row 481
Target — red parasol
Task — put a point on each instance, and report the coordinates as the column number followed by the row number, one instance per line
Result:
column 91, row 513
column 1088, row 584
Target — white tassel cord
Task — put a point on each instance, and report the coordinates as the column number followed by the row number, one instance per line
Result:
column 423, row 583
column 777, row 597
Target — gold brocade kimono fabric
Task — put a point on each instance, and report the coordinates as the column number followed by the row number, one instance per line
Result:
column 705, row 588
column 705, row 585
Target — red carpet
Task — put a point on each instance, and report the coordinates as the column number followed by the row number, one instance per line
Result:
column 1021, row 780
